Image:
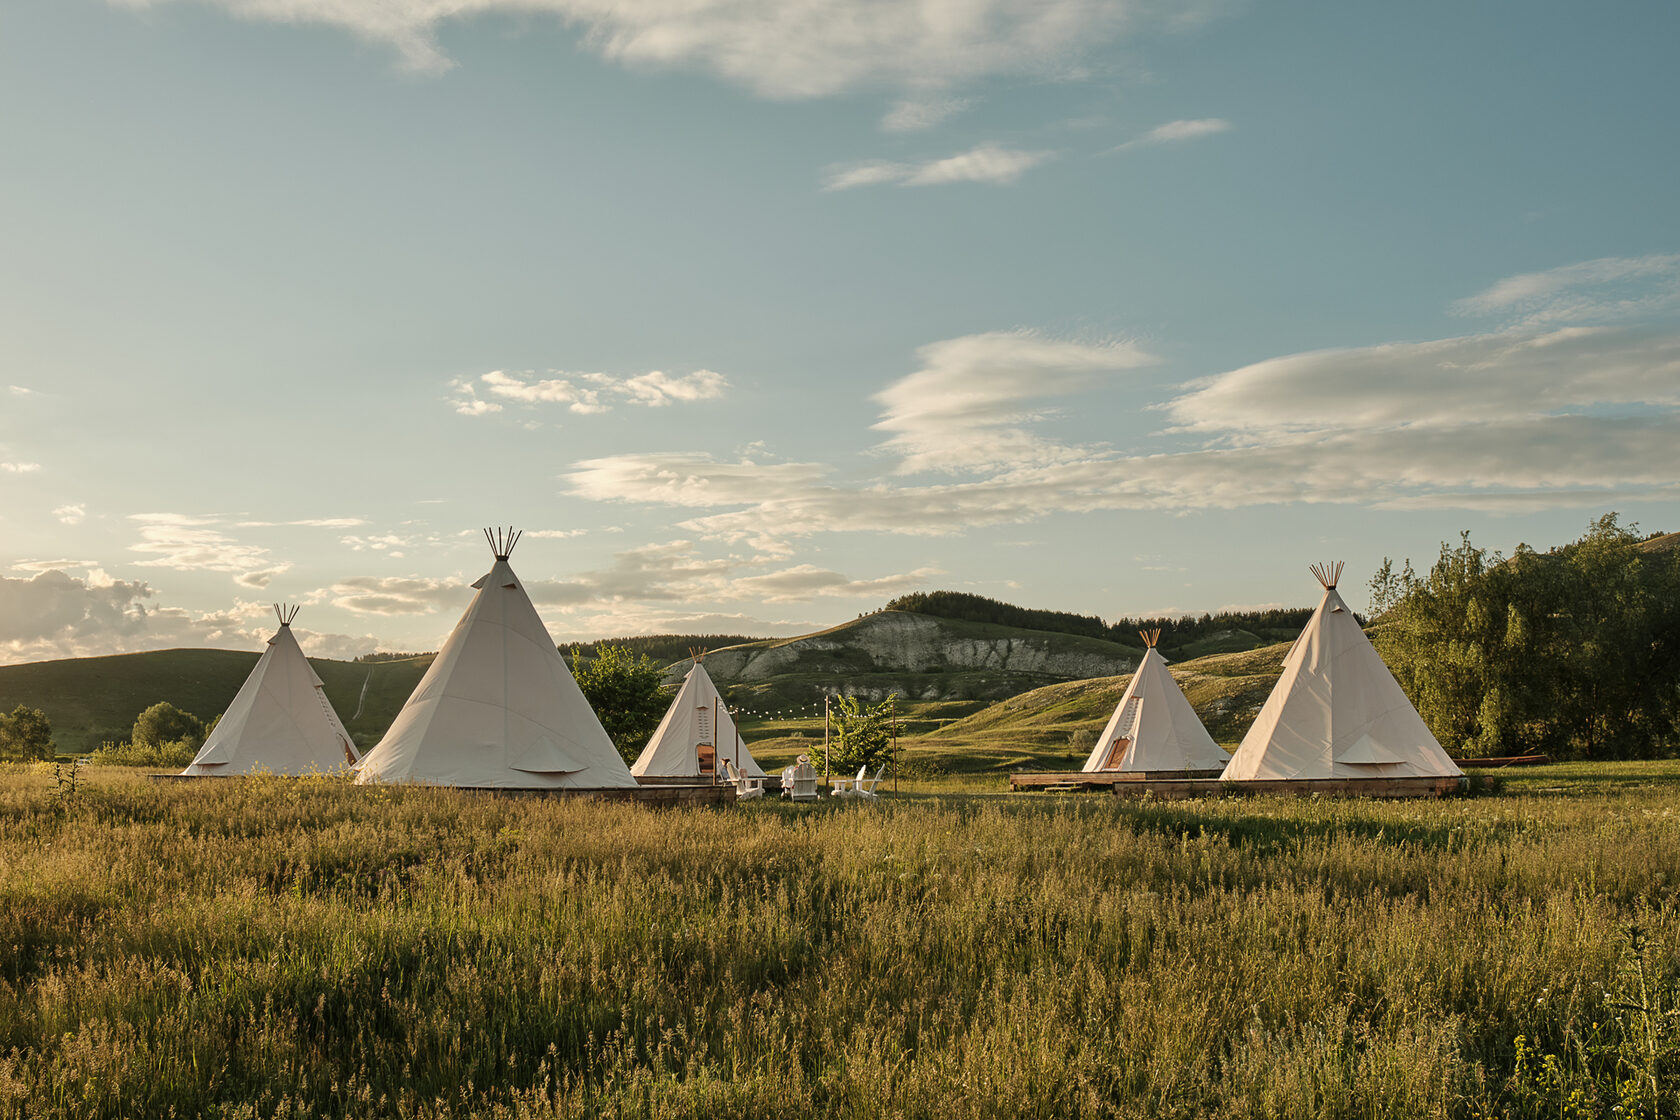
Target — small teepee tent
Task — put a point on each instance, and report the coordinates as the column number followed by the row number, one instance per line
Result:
column 1154, row 727
column 280, row 721
column 498, row 709
column 696, row 736
column 1337, row 712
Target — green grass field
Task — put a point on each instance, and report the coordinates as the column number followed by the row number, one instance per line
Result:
column 264, row 947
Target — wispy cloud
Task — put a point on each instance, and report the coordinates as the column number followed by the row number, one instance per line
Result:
column 1507, row 421
column 185, row 542
column 1176, row 132
column 1604, row 290
column 967, row 405
column 71, row 514
column 394, row 595
column 774, row 48
column 917, row 114
column 13, row 467
column 987, row 163
column 306, row 523
column 585, row 393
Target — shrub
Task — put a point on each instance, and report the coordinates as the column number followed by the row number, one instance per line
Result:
column 174, row 754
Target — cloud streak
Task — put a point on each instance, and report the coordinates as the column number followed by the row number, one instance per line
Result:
column 987, row 163
column 584, row 393
column 1177, row 132
column 1606, row 289
column 783, row 49
column 1506, row 421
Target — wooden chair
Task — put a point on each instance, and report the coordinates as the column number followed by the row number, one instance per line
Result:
column 746, row 789
column 867, row 788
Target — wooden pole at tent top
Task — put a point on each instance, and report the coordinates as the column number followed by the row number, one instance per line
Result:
column 1328, row 574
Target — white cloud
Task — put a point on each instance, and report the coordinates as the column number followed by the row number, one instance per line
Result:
column 307, row 523
column 185, row 542
column 21, row 391
column 19, row 468
column 1452, row 381
column 587, row 393
column 56, row 614
column 1609, row 288
column 844, row 176
column 1511, row 421
column 682, row 479
column 988, row 163
column 71, row 514
column 1174, row 132
column 919, row 113
column 394, row 595
column 775, row 48
column 966, row 407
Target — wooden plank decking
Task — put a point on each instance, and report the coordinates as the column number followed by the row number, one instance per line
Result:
column 1179, row 789
column 1097, row 779
column 665, row 793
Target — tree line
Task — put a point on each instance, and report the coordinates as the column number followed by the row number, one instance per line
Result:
column 1573, row 652
column 1176, row 631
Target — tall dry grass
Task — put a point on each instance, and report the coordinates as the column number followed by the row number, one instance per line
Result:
column 265, row 947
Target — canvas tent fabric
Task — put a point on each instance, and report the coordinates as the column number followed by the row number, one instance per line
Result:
column 498, row 709
column 1337, row 712
column 697, row 715
column 280, row 721
column 1154, row 727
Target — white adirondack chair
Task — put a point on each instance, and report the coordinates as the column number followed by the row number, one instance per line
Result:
column 867, row 788
column 849, row 787
column 799, row 781
column 746, row 789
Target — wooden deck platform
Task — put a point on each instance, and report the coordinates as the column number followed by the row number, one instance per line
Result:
column 1501, row 763
column 1065, row 780
column 1179, row 789
column 665, row 793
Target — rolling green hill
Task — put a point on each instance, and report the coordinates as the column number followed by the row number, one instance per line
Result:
column 92, row 699
column 917, row 656
column 1041, row 728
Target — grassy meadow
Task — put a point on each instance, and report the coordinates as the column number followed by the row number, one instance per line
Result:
column 266, row 947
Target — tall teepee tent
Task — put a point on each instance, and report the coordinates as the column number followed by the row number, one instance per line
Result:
column 1337, row 712
column 696, row 736
column 280, row 721
column 498, row 708
column 1154, row 727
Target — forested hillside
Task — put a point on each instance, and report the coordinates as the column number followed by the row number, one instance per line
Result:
column 1181, row 636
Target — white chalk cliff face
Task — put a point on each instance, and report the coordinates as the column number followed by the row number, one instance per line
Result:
column 899, row 642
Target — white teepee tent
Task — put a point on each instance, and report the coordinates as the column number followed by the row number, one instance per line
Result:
column 1337, row 712
column 696, row 725
column 280, row 721
column 1154, row 727
column 498, row 708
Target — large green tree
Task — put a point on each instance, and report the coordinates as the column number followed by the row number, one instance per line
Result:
column 164, row 723
column 1572, row 652
column 25, row 735
column 627, row 692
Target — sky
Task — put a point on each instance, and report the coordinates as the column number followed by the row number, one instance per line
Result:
column 754, row 314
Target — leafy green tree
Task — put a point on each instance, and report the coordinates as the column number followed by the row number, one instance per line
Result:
column 863, row 733
column 164, row 723
column 1571, row 652
column 627, row 692
column 25, row 736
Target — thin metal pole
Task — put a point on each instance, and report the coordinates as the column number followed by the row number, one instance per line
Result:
column 893, row 697
column 825, row 739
